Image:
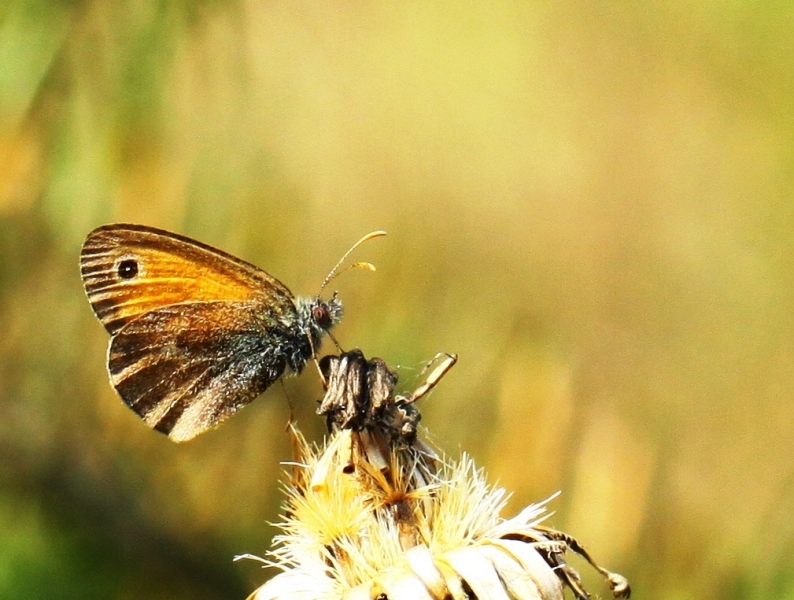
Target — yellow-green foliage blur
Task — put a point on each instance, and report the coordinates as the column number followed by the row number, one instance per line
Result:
column 590, row 202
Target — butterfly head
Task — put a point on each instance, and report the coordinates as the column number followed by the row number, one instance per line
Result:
column 318, row 316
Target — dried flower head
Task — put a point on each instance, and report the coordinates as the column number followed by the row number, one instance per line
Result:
column 375, row 514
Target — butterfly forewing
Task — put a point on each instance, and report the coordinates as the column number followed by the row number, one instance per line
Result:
column 181, row 380
column 130, row 270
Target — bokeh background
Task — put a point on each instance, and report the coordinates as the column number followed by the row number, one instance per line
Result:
column 589, row 202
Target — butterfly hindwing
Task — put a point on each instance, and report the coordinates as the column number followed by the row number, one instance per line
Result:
column 183, row 379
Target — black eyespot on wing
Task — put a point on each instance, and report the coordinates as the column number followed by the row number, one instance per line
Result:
column 128, row 268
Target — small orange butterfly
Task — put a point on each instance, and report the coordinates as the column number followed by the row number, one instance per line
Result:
column 196, row 333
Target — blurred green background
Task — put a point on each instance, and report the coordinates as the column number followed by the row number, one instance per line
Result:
column 589, row 202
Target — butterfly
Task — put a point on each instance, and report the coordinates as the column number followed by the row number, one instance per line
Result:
column 196, row 333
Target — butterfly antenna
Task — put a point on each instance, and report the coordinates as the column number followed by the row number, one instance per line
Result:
column 358, row 265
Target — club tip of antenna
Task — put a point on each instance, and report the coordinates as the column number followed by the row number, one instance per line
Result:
column 368, row 266
column 373, row 234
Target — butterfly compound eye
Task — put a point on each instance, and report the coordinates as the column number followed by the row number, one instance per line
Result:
column 128, row 268
column 321, row 316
